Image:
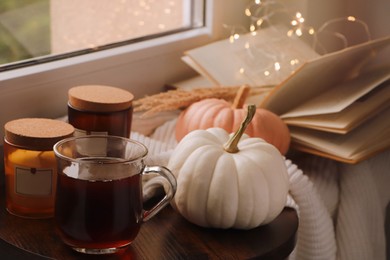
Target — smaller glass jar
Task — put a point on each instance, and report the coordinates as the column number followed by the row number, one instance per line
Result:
column 30, row 165
column 104, row 110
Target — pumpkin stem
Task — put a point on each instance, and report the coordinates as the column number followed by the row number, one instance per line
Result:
column 232, row 145
column 241, row 96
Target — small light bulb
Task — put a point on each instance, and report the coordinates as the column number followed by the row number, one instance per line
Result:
column 277, row 66
column 294, row 62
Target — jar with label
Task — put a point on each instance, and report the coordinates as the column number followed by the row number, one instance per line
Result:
column 30, row 165
column 100, row 110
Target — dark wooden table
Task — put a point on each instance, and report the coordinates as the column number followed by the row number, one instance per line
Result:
column 166, row 236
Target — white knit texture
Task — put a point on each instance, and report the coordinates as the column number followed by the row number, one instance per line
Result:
column 316, row 238
column 364, row 195
column 325, row 175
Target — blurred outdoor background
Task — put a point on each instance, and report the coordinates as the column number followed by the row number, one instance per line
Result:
column 23, row 21
column 34, row 28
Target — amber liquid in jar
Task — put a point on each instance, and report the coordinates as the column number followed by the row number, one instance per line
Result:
column 31, row 182
column 30, row 165
column 100, row 110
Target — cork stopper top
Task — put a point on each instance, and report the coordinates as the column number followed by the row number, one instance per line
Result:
column 96, row 98
column 36, row 133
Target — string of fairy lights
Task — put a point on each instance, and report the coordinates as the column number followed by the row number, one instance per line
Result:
column 269, row 13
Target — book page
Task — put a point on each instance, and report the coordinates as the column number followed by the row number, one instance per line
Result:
column 352, row 116
column 200, row 70
column 314, row 77
column 337, row 98
column 365, row 139
column 266, row 58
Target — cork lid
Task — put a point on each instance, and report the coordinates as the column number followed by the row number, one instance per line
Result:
column 36, row 133
column 98, row 98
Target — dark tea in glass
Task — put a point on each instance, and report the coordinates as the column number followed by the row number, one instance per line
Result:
column 99, row 199
column 98, row 213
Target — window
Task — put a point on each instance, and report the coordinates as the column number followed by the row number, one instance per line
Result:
column 142, row 67
column 44, row 30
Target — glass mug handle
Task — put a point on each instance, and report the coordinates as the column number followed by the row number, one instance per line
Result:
column 164, row 179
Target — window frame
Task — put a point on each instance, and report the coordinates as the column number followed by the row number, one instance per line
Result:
column 143, row 68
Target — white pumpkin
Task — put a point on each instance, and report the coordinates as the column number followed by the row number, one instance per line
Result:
column 222, row 187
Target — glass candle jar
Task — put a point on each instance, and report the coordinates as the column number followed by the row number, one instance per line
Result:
column 30, row 165
column 104, row 110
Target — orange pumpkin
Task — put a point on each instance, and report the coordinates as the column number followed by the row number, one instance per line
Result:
column 214, row 112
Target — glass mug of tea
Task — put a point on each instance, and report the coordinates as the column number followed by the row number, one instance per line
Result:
column 99, row 199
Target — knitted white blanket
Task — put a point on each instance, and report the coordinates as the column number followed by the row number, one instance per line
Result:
column 341, row 207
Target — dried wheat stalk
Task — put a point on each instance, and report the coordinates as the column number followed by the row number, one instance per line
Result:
column 180, row 99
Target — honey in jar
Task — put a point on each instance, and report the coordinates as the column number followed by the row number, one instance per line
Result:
column 104, row 110
column 30, row 165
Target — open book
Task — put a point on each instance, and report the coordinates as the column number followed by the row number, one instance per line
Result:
column 265, row 58
column 336, row 105
column 344, row 106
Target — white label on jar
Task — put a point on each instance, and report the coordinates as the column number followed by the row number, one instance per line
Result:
column 33, row 181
